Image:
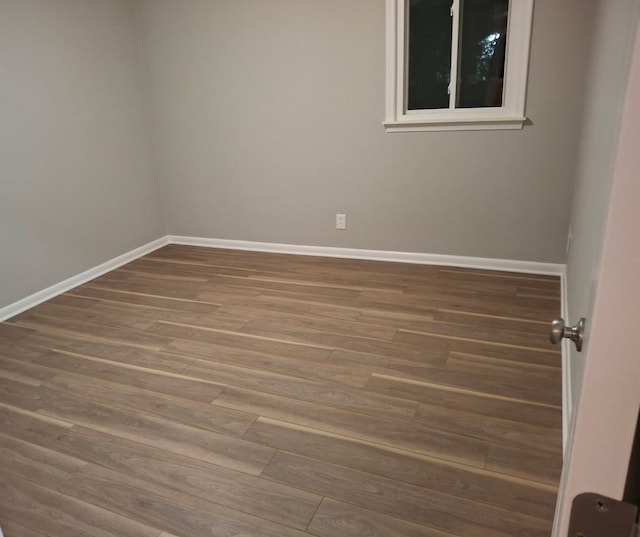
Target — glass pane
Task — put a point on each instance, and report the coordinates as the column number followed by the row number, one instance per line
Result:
column 429, row 54
column 483, row 39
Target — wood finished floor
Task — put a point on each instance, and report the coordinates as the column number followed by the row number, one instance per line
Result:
column 199, row 392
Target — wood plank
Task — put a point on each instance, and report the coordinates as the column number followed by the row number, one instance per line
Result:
column 303, row 289
column 237, row 284
column 399, row 386
column 35, row 463
column 279, row 304
column 530, row 355
column 412, row 337
column 191, row 256
column 392, row 498
column 484, row 365
column 140, row 317
column 329, row 340
column 11, row 529
column 168, row 267
column 339, row 519
column 504, row 322
column 546, row 380
column 9, row 333
column 238, row 340
column 433, row 358
column 73, row 301
column 252, row 495
column 300, row 264
column 35, row 506
column 146, row 288
column 119, row 353
column 370, row 429
column 174, row 384
column 518, row 338
column 342, row 277
column 179, row 513
column 72, row 316
column 332, row 368
column 495, row 293
column 493, row 430
column 215, row 319
column 184, row 411
column 168, row 283
column 174, row 437
column 23, row 349
column 411, row 303
column 320, row 393
column 482, row 275
column 153, row 275
column 18, row 394
column 374, row 301
column 29, row 426
column 127, row 297
column 305, row 320
column 25, row 372
column 494, row 288
column 430, row 473
column 527, row 463
column 526, row 291
column 88, row 330
column 495, row 407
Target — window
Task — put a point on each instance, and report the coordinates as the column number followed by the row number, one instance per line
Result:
column 457, row 64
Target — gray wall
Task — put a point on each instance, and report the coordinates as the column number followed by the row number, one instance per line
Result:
column 76, row 187
column 267, row 122
column 613, row 40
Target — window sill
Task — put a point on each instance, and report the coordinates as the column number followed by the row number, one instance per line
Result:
column 454, row 124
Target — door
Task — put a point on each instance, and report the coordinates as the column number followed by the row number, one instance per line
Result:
column 601, row 437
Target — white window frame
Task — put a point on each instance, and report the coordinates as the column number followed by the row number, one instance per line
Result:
column 509, row 116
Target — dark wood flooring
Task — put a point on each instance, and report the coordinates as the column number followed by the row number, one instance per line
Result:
column 199, row 392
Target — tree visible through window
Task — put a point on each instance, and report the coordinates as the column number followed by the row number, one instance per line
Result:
column 481, row 54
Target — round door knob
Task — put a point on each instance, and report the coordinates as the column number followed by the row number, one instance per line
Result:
column 575, row 333
column 557, row 330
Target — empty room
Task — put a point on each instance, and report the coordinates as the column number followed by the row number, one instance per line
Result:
column 336, row 268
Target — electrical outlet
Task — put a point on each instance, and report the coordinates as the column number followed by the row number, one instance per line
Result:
column 341, row 221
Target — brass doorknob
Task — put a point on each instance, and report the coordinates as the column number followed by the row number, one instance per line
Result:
column 575, row 333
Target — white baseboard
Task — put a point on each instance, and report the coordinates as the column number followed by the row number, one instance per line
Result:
column 50, row 292
column 507, row 265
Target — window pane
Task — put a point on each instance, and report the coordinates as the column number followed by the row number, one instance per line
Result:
column 429, row 54
column 483, row 38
